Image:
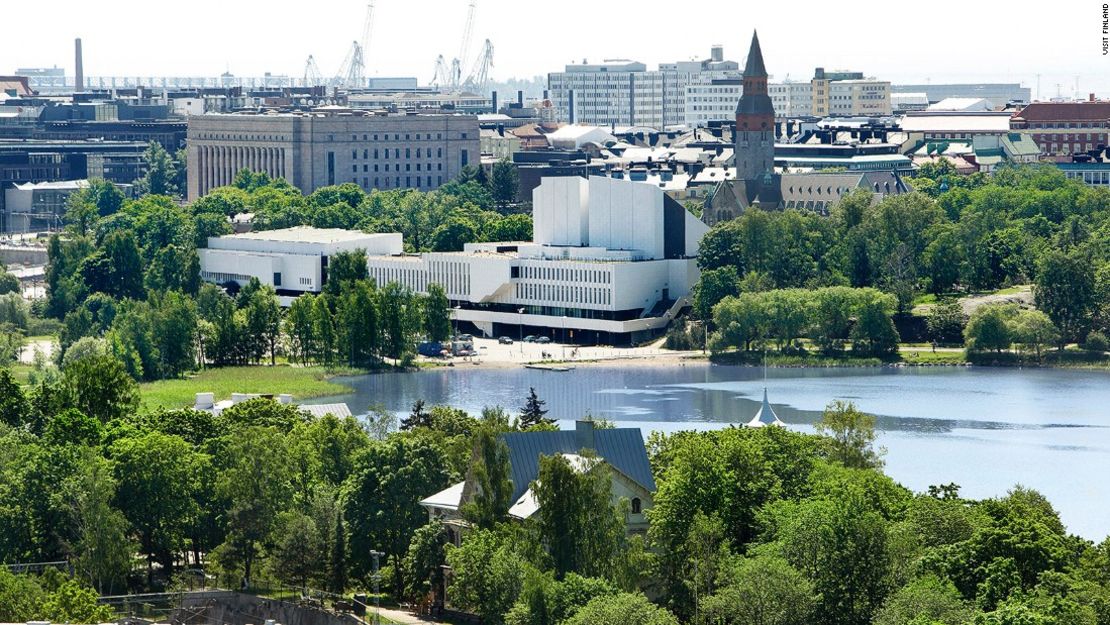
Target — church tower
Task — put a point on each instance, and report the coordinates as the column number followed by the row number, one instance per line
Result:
column 755, row 121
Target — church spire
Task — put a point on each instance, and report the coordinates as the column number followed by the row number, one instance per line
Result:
column 755, row 67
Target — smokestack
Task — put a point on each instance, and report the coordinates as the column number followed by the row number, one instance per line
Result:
column 520, row 98
column 79, row 67
column 493, row 99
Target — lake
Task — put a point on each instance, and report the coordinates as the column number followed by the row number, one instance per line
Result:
column 985, row 429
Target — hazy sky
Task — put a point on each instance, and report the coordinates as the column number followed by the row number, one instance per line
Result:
column 938, row 40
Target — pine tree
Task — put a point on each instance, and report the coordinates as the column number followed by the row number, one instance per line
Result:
column 417, row 418
column 533, row 412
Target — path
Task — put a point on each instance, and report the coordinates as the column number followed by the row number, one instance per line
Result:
column 400, row 616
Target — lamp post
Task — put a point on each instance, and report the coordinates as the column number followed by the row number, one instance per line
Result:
column 564, row 337
column 377, row 577
column 520, row 328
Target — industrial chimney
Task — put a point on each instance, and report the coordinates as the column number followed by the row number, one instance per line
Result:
column 79, row 68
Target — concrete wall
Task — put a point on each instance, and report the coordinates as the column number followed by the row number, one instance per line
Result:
column 232, row 608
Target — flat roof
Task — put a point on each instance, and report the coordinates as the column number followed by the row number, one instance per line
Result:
column 305, row 234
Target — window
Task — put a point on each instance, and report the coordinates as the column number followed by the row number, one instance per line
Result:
column 277, row 279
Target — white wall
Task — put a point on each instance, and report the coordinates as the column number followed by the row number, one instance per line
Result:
column 560, row 212
column 626, row 215
column 244, row 265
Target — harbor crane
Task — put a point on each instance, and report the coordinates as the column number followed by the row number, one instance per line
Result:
column 451, row 75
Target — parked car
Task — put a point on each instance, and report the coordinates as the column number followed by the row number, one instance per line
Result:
column 430, row 349
column 529, row 339
column 543, row 339
column 465, row 337
column 504, row 340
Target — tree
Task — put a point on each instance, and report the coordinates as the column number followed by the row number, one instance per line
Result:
column 337, row 561
column 73, row 603
column 297, row 555
column 116, row 268
column 256, row 485
column 300, row 328
column 345, row 268
column 102, row 553
column 714, row 286
column 764, row 590
column 381, row 498
column 925, row 597
column 424, row 560
column 852, row 436
column 491, row 476
column 622, row 609
column 417, row 417
column 437, row 314
column 486, row 574
column 358, row 324
column 21, row 597
column 1034, row 330
column 452, row 235
column 504, row 182
column 323, row 332
column 1065, row 291
column 72, row 427
column 100, row 387
column 155, row 475
column 989, row 329
column 161, row 172
column 401, row 320
column 874, row 332
column 533, row 412
column 264, row 322
column 946, row 321
column 581, row 528
column 14, row 407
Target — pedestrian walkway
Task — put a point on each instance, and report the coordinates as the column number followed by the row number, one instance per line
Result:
column 400, row 616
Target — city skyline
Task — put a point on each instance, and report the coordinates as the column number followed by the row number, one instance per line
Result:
column 279, row 41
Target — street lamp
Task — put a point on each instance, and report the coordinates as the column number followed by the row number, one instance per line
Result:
column 377, row 577
column 520, row 327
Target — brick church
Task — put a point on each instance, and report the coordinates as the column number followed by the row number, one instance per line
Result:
column 756, row 184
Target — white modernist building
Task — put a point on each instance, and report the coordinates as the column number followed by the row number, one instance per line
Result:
column 610, row 261
column 292, row 260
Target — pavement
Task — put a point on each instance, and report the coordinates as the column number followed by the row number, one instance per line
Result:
column 490, row 352
column 400, row 616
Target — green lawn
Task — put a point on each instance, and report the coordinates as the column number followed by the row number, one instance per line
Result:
column 926, row 356
column 20, row 372
column 301, row 382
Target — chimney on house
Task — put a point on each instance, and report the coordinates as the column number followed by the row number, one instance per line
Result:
column 584, row 435
column 79, row 67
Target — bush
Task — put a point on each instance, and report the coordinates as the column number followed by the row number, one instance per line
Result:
column 1096, row 342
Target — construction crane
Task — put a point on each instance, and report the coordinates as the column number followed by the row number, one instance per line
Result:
column 442, row 76
column 464, row 46
column 312, row 75
column 352, row 73
column 478, row 80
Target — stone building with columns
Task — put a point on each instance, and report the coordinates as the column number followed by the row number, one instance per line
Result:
column 327, row 147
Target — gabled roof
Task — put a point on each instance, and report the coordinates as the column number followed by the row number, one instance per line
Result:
column 340, row 410
column 622, row 448
column 448, row 498
column 1066, row 111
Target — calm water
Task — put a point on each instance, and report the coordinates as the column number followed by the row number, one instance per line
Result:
column 985, row 429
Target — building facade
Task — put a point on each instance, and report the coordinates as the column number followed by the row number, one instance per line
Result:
column 1065, row 129
column 292, row 260
column 312, row 150
column 625, row 93
column 610, row 261
column 999, row 94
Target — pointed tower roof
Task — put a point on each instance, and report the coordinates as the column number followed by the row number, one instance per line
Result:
column 766, row 415
column 755, row 66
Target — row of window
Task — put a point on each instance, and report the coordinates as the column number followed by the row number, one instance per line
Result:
column 564, row 274
column 408, row 167
column 564, row 294
column 220, row 277
column 420, row 153
column 384, row 183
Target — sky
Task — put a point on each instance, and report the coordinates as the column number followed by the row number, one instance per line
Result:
column 935, row 41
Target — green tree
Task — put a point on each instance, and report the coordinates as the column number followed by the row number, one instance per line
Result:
column 437, row 314
column 927, row 597
column 487, row 574
column 255, row 483
column 764, row 590
column 714, row 286
column 1034, row 330
column 452, row 235
column 851, row 436
column 324, row 332
column 358, row 324
column 381, row 499
column 424, row 560
column 989, row 329
column 72, row 602
column 300, row 328
column 296, row 555
column 874, row 331
column 14, row 407
column 401, row 320
column 491, row 476
column 263, row 316
column 160, row 174
column 581, row 528
column 102, row 553
column 155, row 475
column 1065, row 291
column 946, row 321
column 345, row 268
column 622, row 609
column 100, row 387
column 503, row 183
column 533, row 413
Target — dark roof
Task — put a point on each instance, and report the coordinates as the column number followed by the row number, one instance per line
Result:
column 755, row 66
column 622, row 448
column 1066, row 111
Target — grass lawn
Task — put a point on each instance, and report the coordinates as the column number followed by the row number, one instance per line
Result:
column 926, row 356
column 301, row 382
column 20, row 372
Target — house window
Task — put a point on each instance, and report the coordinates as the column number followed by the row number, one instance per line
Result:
column 636, row 505
column 277, row 279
